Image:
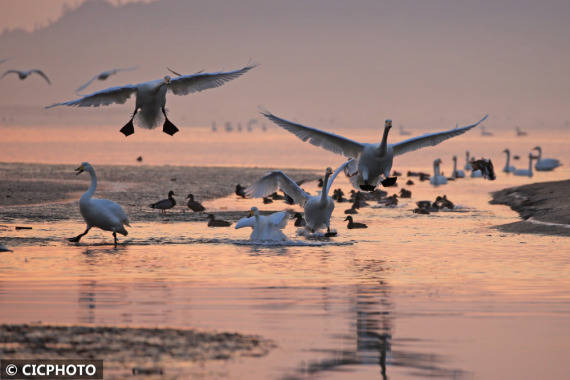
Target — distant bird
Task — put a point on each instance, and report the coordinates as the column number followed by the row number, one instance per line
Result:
column 3, row 248
column 437, row 178
column 214, row 127
column 409, row 182
column 265, row 227
column 151, row 97
column 371, row 163
column 276, row 197
column 443, row 202
column 213, row 222
column 263, row 127
column 165, row 204
column 103, row 76
column 467, row 162
column 24, row 74
column 229, row 127
column 239, row 127
column 405, row 193
column 299, row 221
column 526, row 172
column 250, row 124
column 403, row 132
column 139, row 159
column 101, row 213
column 193, row 205
column 520, row 133
column 351, row 211
column 318, row 208
column 545, row 164
column 240, row 191
column 267, row 200
column 351, row 224
column 320, row 182
column 456, row 173
column 484, row 167
column 484, row 132
column 508, row 167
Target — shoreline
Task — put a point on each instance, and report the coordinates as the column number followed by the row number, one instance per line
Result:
column 544, row 208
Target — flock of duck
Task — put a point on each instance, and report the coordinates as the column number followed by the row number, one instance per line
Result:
column 368, row 165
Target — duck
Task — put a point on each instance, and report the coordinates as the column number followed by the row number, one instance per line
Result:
column 351, row 211
column 267, row 200
column 456, row 173
column 151, row 97
column 101, row 213
column 240, row 191
column 23, row 74
column 193, row 205
column 165, row 204
column 485, row 167
column 371, row 164
column 526, row 172
column 545, row 164
column 508, row 167
column 352, row 225
column 265, row 227
column 437, row 178
column 299, row 221
column 213, row 222
column 404, row 193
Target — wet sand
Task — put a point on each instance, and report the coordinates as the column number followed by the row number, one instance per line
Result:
column 129, row 351
column 544, row 207
column 56, row 187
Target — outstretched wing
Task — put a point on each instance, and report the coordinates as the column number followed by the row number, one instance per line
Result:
column 269, row 183
column 10, row 72
column 431, row 139
column 335, row 174
column 187, row 84
column 111, row 95
column 42, row 74
column 84, row 86
column 329, row 141
column 245, row 222
column 278, row 219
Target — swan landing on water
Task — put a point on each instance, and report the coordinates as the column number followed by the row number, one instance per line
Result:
column 265, row 227
column 151, row 97
column 101, row 213
column 372, row 162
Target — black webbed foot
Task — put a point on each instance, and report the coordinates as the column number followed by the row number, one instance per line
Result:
column 331, row 234
column 128, row 129
column 75, row 239
column 390, row 181
column 169, row 128
column 367, row 187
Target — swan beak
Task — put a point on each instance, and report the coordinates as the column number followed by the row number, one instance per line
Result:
column 79, row 170
column 388, row 123
column 167, row 79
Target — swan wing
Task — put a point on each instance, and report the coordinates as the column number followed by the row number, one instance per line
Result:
column 85, row 85
column 329, row 141
column 431, row 139
column 10, row 72
column 246, row 222
column 105, row 97
column 274, row 180
column 187, row 84
column 336, row 172
column 111, row 210
column 42, row 74
column 278, row 219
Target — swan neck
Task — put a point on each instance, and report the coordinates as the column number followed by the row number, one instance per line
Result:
column 436, row 169
column 89, row 193
column 384, row 143
column 325, row 192
column 455, row 166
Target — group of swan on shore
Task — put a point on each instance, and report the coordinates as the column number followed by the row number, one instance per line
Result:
column 542, row 164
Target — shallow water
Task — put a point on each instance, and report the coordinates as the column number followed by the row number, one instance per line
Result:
column 413, row 296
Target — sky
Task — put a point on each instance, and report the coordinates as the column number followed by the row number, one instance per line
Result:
column 322, row 62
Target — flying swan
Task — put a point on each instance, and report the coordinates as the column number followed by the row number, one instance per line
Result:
column 318, row 208
column 265, row 227
column 372, row 162
column 23, row 74
column 103, row 76
column 101, row 213
column 151, row 96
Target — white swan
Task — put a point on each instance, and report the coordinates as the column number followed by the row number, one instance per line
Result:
column 467, row 166
column 318, row 208
column 265, row 227
column 526, row 172
column 151, row 96
column 437, row 178
column 101, row 213
column 520, row 132
column 508, row 167
column 457, row 173
column 484, row 132
column 372, row 162
column 23, row 74
column 103, row 76
column 545, row 164
column 476, row 174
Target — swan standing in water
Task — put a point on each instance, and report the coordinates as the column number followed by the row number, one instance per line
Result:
column 437, row 178
column 508, row 167
column 457, row 173
column 545, row 164
column 101, row 213
column 265, row 227
column 467, row 166
column 151, row 97
column 372, row 162
column 526, row 172
column 103, row 76
column 318, row 208
column 24, row 74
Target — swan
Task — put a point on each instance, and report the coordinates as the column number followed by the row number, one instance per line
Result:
column 457, row 173
column 467, row 161
column 437, row 178
column 508, row 167
column 476, row 173
column 265, row 227
column 318, row 208
column 520, row 132
column 484, row 132
column 101, row 213
column 526, row 172
column 151, row 96
column 403, row 132
column 372, row 162
column 103, row 76
column 545, row 164
column 23, row 74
